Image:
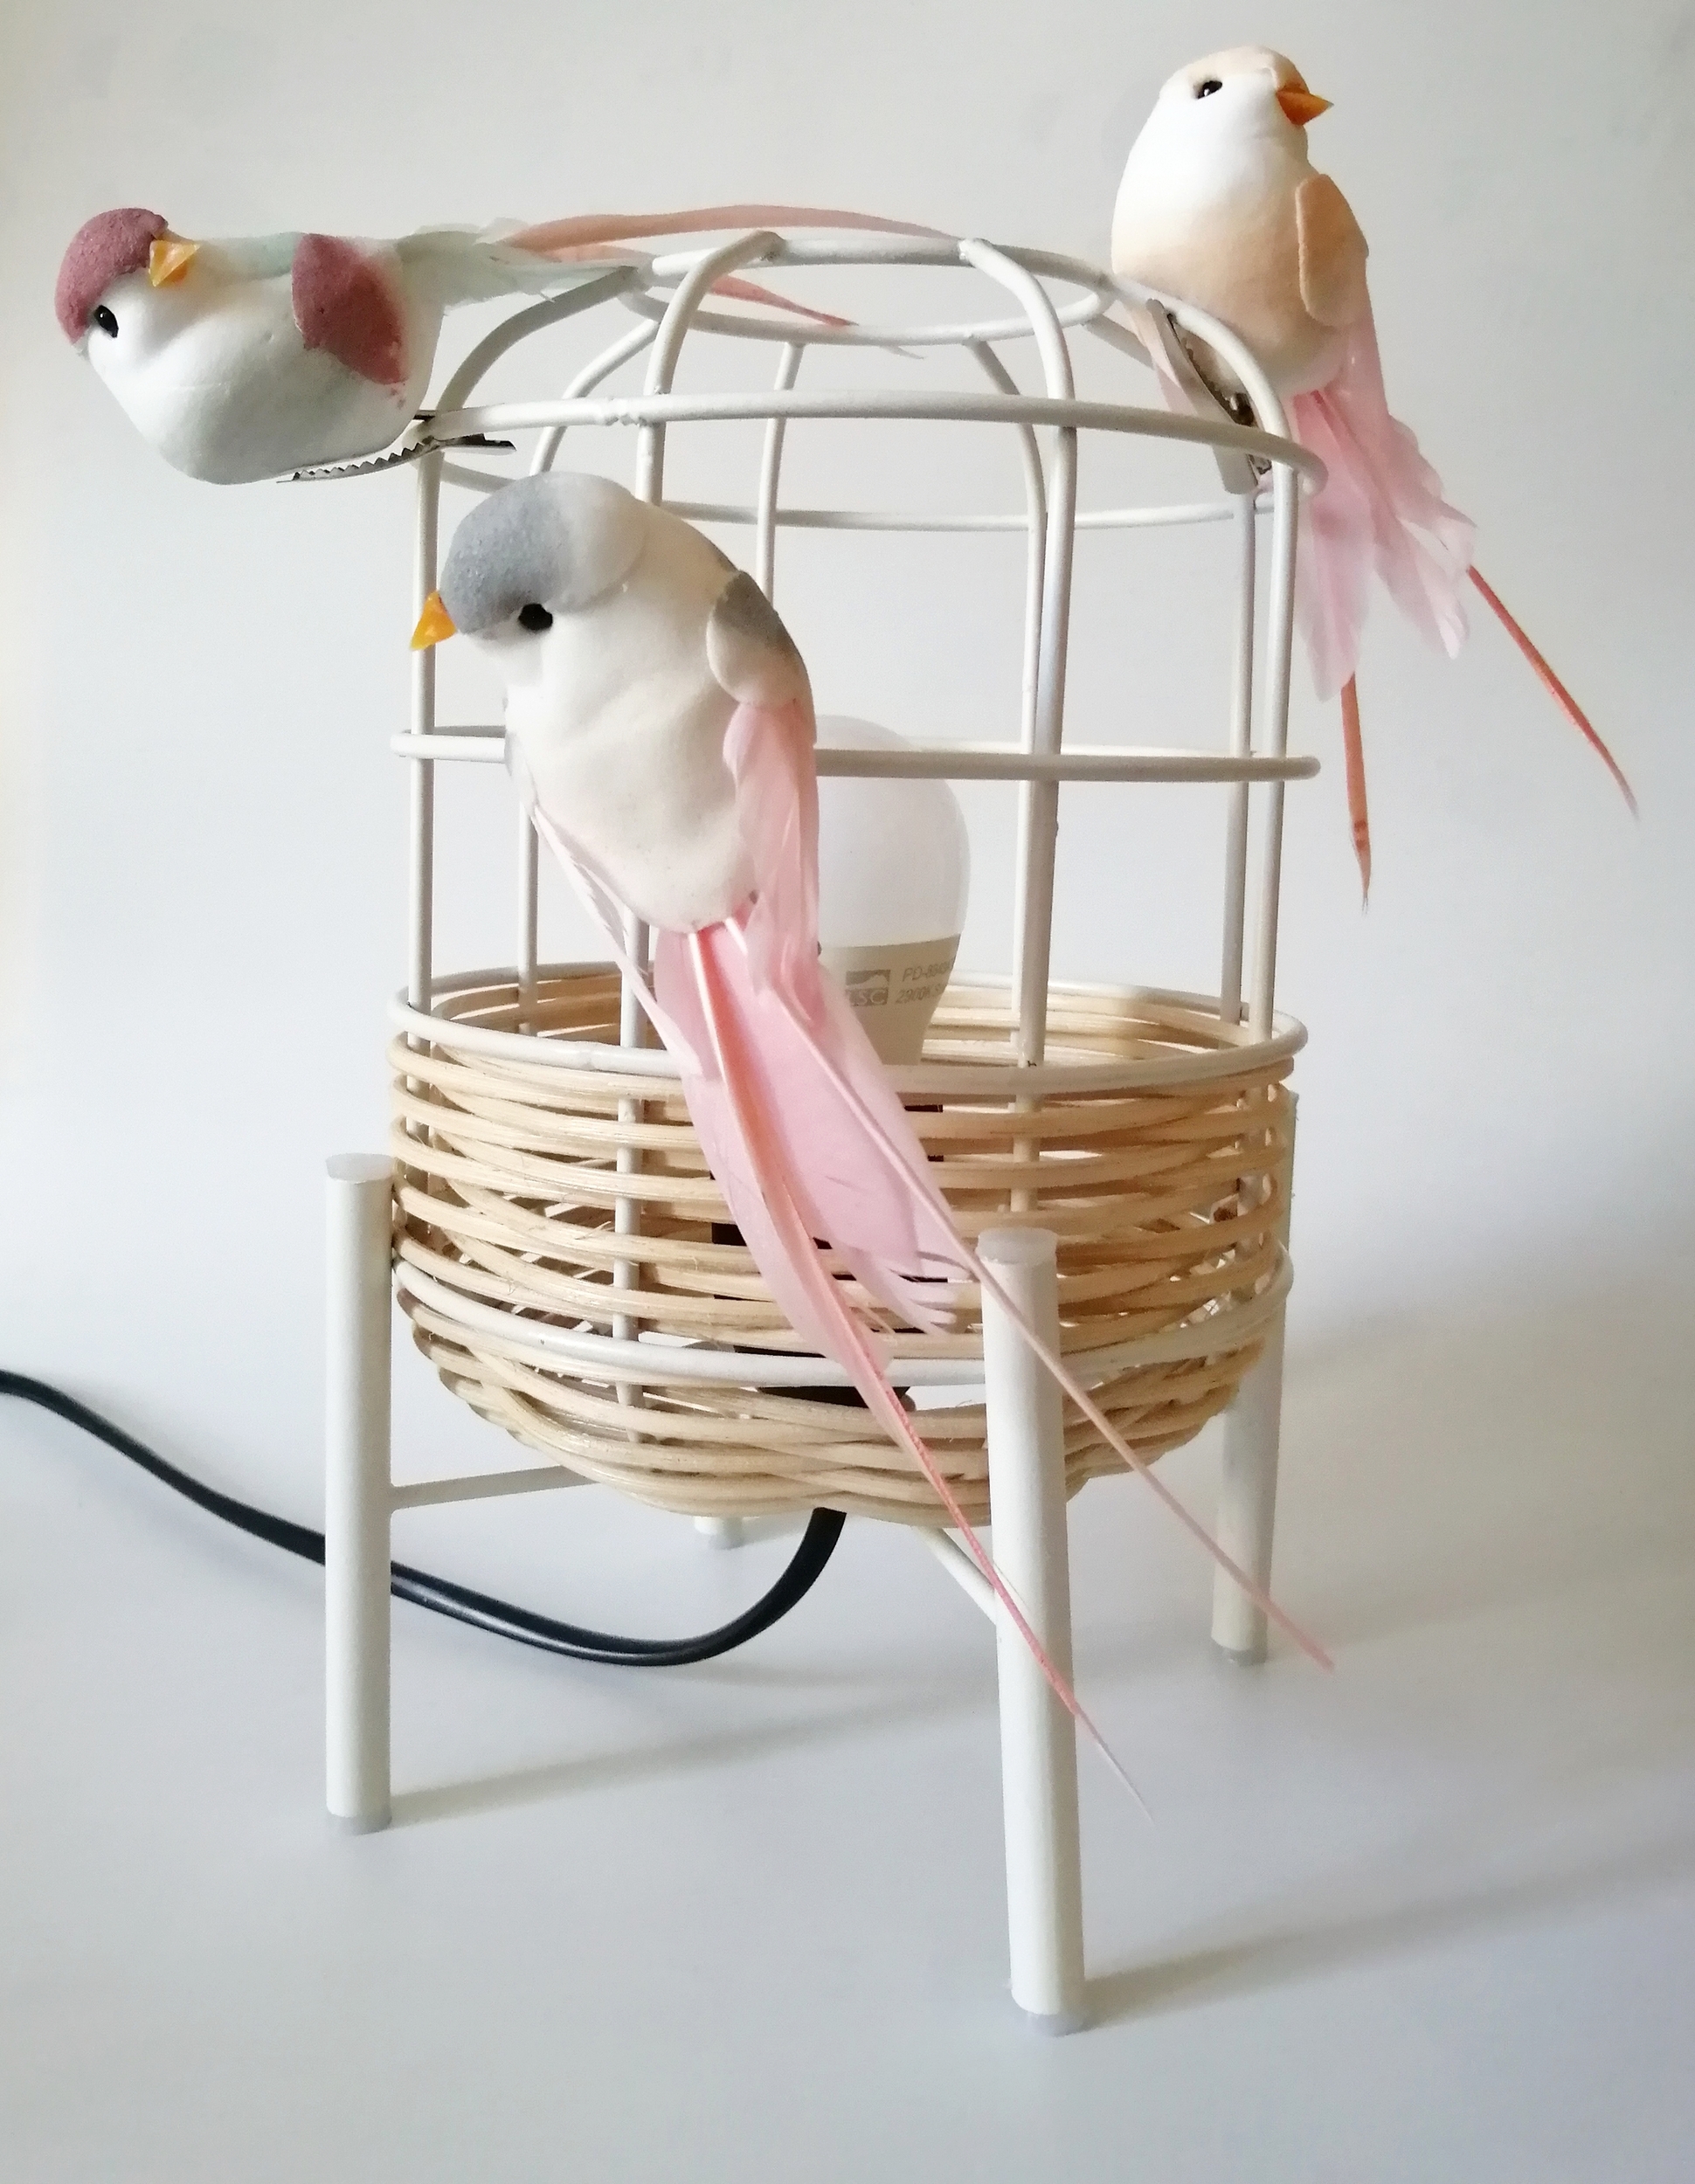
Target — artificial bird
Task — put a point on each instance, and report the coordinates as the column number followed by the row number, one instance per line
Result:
column 268, row 355
column 660, row 731
column 1220, row 207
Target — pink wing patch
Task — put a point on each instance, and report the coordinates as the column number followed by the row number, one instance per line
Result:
column 350, row 304
column 102, row 251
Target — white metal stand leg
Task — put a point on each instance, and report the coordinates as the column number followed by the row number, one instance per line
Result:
column 1247, row 1503
column 721, row 1532
column 1247, row 1493
column 357, row 1492
column 1038, row 1741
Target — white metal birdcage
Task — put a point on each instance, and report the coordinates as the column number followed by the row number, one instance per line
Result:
column 557, row 1245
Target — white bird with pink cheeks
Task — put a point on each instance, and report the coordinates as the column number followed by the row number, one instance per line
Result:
column 1220, row 207
column 252, row 359
column 267, row 355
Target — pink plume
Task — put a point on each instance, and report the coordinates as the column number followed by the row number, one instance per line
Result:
column 705, row 987
column 1381, row 506
column 832, row 1137
column 561, row 239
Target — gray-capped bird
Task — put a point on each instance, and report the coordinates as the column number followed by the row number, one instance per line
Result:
column 659, row 727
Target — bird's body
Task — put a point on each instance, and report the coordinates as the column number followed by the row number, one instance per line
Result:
column 1225, row 209
column 257, row 357
column 1221, row 208
column 230, row 326
column 252, row 357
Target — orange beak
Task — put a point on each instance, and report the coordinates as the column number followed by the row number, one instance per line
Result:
column 1301, row 105
column 169, row 259
column 433, row 624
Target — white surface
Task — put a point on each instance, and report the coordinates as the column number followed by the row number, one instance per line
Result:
column 1433, row 1919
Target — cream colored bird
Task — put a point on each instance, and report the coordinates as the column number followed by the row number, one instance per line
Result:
column 1221, row 207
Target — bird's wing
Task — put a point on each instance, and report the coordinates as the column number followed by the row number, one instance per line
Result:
column 1332, row 253
column 348, row 301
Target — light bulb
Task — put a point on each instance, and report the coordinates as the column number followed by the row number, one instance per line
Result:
column 894, row 872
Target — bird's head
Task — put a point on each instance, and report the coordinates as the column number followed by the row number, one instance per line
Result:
column 1248, row 91
column 539, row 548
column 124, row 287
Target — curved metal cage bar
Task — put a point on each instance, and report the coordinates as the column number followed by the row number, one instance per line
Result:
column 1048, row 302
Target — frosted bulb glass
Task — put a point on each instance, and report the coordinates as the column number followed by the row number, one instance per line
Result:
column 894, row 872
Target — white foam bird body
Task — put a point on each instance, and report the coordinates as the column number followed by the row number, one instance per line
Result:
column 255, row 358
column 1221, row 208
column 250, row 358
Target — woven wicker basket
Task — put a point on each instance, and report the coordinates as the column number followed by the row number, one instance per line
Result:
column 1154, row 1140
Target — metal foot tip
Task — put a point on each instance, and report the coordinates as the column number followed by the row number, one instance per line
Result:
column 350, row 1824
column 1054, row 2024
column 1243, row 1656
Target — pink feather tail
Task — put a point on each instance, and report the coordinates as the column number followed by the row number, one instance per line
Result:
column 1556, row 689
column 704, row 983
column 585, row 231
column 594, row 234
column 807, row 1137
column 1381, row 507
column 832, row 1134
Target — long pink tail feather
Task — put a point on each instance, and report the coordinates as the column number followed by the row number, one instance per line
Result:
column 561, row 239
column 591, row 235
column 1561, row 696
column 781, row 1239
column 807, row 1137
column 1353, row 761
column 718, row 1019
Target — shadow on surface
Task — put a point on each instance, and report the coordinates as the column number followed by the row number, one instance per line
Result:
column 1529, row 1469
column 721, row 1747
column 1294, row 1950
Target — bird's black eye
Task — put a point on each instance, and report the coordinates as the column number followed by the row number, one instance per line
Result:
column 105, row 317
column 535, row 617
column 1206, row 90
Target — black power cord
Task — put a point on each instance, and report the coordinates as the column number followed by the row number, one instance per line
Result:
column 440, row 1596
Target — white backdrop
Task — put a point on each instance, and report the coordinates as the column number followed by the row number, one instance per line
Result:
column 202, row 826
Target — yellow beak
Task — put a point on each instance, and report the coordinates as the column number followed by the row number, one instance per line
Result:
column 169, row 258
column 433, row 624
column 1301, row 106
